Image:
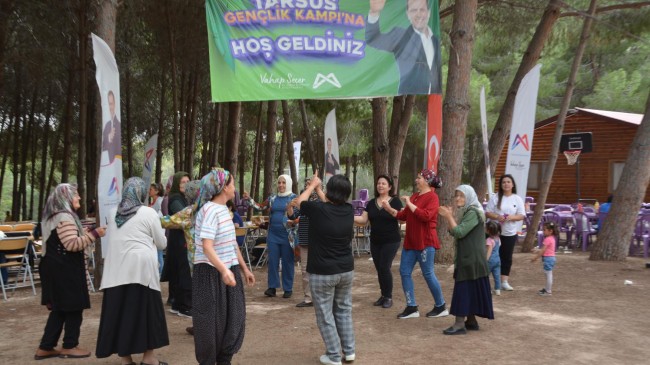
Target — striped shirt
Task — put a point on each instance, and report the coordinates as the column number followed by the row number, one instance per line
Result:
column 213, row 221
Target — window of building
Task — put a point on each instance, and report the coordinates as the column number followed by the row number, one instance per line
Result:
column 535, row 174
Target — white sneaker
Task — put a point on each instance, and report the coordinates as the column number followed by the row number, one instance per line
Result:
column 496, row 292
column 505, row 286
column 349, row 358
column 324, row 359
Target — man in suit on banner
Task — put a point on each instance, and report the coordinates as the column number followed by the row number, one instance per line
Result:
column 112, row 134
column 416, row 49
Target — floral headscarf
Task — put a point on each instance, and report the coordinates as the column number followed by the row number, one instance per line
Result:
column 431, row 178
column 134, row 194
column 471, row 200
column 192, row 191
column 211, row 185
column 58, row 207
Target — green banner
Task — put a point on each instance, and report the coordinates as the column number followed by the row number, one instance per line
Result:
column 318, row 49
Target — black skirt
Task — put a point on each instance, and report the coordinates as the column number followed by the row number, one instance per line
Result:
column 472, row 297
column 132, row 321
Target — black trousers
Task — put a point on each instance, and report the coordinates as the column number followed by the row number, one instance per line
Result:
column 56, row 322
column 382, row 257
column 505, row 253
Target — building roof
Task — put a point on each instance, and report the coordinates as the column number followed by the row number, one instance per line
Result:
column 631, row 118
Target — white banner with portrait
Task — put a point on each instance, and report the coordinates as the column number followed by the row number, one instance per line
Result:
column 296, row 156
column 332, row 166
column 109, row 186
column 521, row 133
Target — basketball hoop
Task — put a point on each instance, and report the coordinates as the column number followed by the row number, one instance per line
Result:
column 572, row 156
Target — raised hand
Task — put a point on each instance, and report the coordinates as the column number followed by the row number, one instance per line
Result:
column 376, row 6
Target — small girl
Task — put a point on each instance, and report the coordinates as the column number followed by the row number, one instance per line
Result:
column 547, row 252
column 493, row 242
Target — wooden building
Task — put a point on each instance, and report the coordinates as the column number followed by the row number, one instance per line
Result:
column 600, row 170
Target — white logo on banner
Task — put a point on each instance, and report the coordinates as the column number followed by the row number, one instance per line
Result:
column 330, row 78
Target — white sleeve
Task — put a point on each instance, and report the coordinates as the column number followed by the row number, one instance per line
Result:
column 372, row 19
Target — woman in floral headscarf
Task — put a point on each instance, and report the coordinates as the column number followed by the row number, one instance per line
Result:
column 217, row 284
column 420, row 242
column 133, row 317
column 63, row 273
column 472, row 295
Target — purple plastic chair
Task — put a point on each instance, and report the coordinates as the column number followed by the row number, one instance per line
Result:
column 642, row 233
column 363, row 195
column 562, row 208
column 582, row 228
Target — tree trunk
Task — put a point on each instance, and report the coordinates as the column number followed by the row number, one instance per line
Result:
column 172, row 58
column 191, row 127
column 232, row 148
column 83, row 105
column 399, row 127
column 456, row 108
column 216, row 137
column 92, row 147
column 255, row 178
column 615, row 236
column 67, row 123
column 184, row 105
column 379, row 137
column 504, row 122
column 15, row 201
column 6, row 120
column 288, row 131
column 282, row 160
column 315, row 163
column 6, row 8
column 42, row 187
column 241, row 161
column 269, row 154
column 128, row 121
column 161, row 126
column 28, row 132
column 531, row 235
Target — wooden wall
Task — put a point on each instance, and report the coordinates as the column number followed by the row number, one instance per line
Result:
column 611, row 140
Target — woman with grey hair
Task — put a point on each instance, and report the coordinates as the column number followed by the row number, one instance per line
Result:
column 133, row 318
column 472, row 295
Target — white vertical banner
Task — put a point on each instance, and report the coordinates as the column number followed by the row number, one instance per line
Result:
column 331, row 147
column 109, row 186
column 149, row 159
column 486, row 149
column 523, row 127
column 296, row 157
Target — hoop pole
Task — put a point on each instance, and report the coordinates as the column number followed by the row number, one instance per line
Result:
column 578, row 177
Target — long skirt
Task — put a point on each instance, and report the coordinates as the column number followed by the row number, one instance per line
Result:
column 218, row 315
column 132, row 321
column 472, row 297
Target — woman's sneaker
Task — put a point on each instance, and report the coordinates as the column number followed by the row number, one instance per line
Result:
column 497, row 292
column 438, row 312
column 505, row 286
column 543, row 292
column 409, row 312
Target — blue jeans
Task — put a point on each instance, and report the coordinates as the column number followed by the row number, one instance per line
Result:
column 425, row 258
column 548, row 263
column 332, row 297
column 495, row 268
column 277, row 251
column 161, row 262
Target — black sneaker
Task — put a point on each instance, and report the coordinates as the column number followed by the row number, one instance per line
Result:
column 185, row 313
column 379, row 302
column 543, row 292
column 270, row 292
column 409, row 312
column 287, row 294
column 438, row 312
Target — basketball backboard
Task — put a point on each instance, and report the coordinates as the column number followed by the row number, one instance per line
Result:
column 576, row 142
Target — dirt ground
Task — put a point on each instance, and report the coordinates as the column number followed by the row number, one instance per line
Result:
column 592, row 318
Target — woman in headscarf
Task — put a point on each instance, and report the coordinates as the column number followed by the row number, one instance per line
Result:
column 177, row 269
column 133, row 318
column 217, row 285
column 63, row 273
column 278, row 246
column 420, row 242
column 472, row 295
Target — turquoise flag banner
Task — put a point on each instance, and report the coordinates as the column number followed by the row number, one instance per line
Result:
column 317, row 49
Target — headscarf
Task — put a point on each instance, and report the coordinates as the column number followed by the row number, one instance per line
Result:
column 289, row 183
column 192, row 191
column 431, row 178
column 134, row 193
column 176, row 184
column 211, row 185
column 58, row 207
column 471, row 201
